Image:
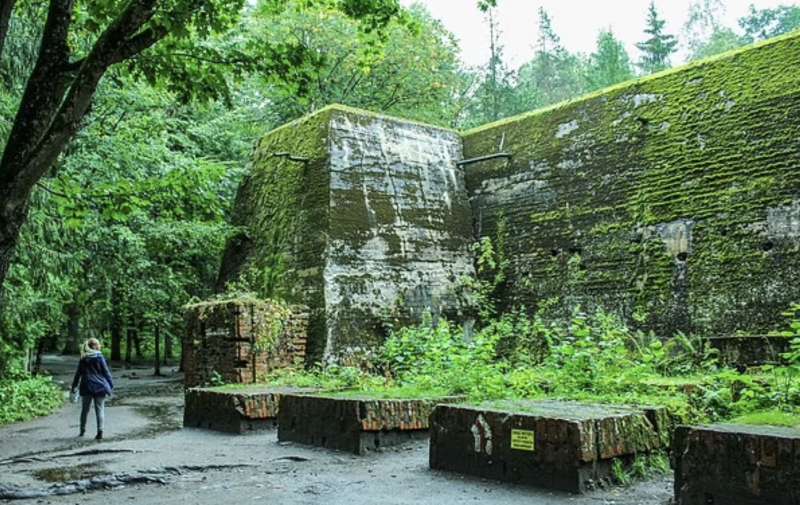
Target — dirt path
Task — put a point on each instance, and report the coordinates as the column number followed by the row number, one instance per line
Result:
column 145, row 444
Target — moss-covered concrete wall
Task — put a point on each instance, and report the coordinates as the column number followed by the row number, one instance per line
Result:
column 281, row 214
column 676, row 197
column 374, row 227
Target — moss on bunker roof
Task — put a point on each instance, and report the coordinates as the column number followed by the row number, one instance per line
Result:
column 634, row 83
column 337, row 107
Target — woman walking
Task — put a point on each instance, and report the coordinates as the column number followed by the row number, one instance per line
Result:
column 95, row 384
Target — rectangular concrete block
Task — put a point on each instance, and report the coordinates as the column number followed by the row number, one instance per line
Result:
column 234, row 410
column 354, row 425
column 736, row 465
column 559, row 445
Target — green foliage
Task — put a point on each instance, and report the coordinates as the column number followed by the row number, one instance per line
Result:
column 588, row 357
column 216, row 380
column 659, row 47
column 761, row 24
column 554, row 74
column 494, row 96
column 24, row 397
column 330, row 377
column 132, row 225
column 410, row 69
column 609, row 64
column 770, row 418
column 492, row 265
column 643, row 466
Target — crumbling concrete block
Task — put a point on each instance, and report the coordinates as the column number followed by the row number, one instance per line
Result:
column 239, row 410
column 558, row 445
column 736, row 465
column 357, row 424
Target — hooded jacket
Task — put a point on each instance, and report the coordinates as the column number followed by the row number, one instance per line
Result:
column 93, row 375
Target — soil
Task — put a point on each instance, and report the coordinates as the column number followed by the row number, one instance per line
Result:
column 147, row 458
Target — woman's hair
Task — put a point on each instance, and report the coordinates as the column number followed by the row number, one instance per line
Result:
column 90, row 346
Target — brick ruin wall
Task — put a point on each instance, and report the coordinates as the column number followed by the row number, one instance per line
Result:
column 674, row 196
column 224, row 341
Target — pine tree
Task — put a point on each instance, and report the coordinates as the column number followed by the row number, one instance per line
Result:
column 610, row 63
column 494, row 97
column 657, row 49
column 553, row 74
column 548, row 43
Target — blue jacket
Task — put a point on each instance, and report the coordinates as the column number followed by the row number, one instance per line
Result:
column 94, row 376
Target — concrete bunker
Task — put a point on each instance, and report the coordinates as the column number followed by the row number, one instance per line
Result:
column 678, row 204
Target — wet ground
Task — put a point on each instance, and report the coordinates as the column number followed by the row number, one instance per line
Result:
column 147, row 458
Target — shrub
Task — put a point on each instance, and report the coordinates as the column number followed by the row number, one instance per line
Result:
column 24, row 397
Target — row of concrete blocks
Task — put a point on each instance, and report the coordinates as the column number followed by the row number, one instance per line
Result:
column 558, row 445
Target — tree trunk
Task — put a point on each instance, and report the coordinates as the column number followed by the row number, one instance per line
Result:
column 157, row 361
column 168, row 354
column 129, row 338
column 37, row 365
column 182, row 366
column 116, row 325
column 12, row 217
column 137, row 340
column 73, row 345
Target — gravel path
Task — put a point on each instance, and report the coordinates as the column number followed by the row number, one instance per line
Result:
column 147, row 458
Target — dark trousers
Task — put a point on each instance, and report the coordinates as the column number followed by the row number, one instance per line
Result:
column 99, row 410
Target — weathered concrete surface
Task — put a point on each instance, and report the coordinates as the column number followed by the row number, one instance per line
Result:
column 356, row 425
column 736, row 465
column 241, row 341
column 754, row 350
column 556, row 445
column 373, row 229
column 399, row 233
column 234, row 410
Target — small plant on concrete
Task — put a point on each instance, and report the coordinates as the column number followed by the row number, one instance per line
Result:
column 621, row 475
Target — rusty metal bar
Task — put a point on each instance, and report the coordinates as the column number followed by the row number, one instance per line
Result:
column 479, row 159
column 291, row 157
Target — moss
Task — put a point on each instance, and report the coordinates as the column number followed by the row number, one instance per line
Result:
column 368, row 114
column 633, row 83
column 713, row 142
column 770, row 418
column 280, row 209
column 391, row 393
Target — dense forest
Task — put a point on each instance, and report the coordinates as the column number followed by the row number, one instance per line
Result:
column 127, row 125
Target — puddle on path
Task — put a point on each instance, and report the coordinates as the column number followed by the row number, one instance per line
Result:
column 69, row 473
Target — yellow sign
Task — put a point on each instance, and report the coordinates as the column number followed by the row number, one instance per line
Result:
column 523, row 440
